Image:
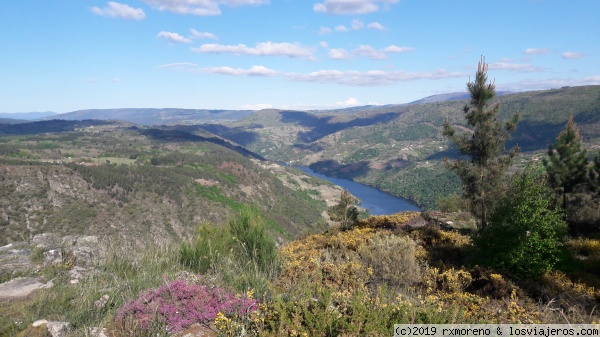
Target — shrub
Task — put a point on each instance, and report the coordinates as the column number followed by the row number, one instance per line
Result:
column 392, row 260
column 202, row 253
column 525, row 233
column 241, row 255
column 254, row 244
column 178, row 305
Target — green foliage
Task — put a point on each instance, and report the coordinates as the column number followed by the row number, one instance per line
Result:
column 526, row 232
column 594, row 175
column 567, row 160
column 241, row 254
column 482, row 174
column 345, row 212
column 253, row 243
column 451, row 203
column 202, row 253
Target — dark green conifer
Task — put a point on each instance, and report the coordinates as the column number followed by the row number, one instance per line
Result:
column 594, row 175
column 566, row 162
column 482, row 175
column 345, row 212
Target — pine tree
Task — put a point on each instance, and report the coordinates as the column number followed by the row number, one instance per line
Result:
column 566, row 162
column 482, row 175
column 594, row 176
column 345, row 212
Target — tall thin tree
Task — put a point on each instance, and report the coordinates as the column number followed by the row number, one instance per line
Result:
column 481, row 176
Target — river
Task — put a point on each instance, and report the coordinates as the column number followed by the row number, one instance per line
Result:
column 374, row 200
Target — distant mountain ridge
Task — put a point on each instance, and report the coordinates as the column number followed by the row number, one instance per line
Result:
column 29, row 116
column 154, row 116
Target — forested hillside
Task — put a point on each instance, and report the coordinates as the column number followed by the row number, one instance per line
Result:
column 104, row 178
column 400, row 148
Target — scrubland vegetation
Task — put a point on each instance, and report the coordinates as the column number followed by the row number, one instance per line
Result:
column 360, row 281
column 236, row 248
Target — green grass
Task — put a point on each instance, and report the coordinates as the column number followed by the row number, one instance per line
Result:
column 121, row 275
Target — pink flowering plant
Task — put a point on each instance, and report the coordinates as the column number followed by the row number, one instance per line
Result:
column 178, row 305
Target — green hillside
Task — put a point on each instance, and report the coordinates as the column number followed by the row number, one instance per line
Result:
column 105, row 178
column 400, row 148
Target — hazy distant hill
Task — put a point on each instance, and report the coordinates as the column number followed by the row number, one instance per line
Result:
column 166, row 116
column 12, row 121
column 27, row 115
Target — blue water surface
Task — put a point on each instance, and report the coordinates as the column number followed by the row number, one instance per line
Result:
column 374, row 200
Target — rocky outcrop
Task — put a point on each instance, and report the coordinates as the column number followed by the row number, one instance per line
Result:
column 21, row 287
column 15, row 258
column 77, row 253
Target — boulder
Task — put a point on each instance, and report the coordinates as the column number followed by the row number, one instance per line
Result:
column 46, row 241
column 58, row 329
column 21, row 287
column 15, row 257
column 53, row 257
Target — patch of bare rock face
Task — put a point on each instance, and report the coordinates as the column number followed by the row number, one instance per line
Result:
column 77, row 253
column 21, row 287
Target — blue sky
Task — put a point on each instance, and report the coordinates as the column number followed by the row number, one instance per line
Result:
column 66, row 55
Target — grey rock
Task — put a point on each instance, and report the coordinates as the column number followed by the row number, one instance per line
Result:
column 53, row 257
column 84, row 256
column 15, row 257
column 101, row 303
column 97, row 332
column 39, row 322
column 58, row 329
column 21, row 287
column 46, row 241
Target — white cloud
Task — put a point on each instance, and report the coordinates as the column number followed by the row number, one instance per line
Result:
column 370, row 52
column 376, row 25
column 259, row 106
column 339, row 54
column 396, row 49
column 121, row 11
column 518, row 67
column 351, row 77
column 261, row 49
column 325, row 30
column 199, row 7
column 202, row 35
column 357, row 24
column 259, row 71
column 173, row 37
column 179, row 65
column 349, row 102
column 117, row 80
column 536, row 51
column 369, row 78
column 341, row 28
column 549, row 83
column 324, row 44
column 570, row 55
column 354, row 25
column 352, row 6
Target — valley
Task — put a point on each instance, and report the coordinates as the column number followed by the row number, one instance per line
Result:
column 139, row 184
column 400, row 148
column 106, row 224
